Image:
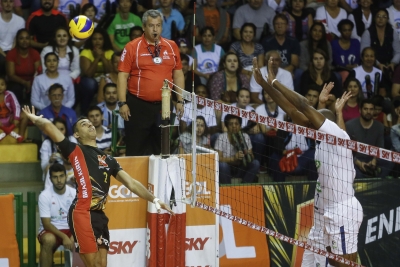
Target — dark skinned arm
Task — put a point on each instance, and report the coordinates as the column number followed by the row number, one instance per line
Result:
column 283, row 102
column 303, row 111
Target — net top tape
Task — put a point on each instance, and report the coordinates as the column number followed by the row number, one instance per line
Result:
column 301, row 130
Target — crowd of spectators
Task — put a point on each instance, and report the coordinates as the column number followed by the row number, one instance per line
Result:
column 356, row 45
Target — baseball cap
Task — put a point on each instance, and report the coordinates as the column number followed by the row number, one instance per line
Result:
column 181, row 42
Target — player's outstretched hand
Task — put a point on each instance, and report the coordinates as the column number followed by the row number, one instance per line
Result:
column 271, row 75
column 256, row 72
column 164, row 207
column 340, row 102
column 31, row 114
column 325, row 93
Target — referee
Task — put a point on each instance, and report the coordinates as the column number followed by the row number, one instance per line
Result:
column 145, row 63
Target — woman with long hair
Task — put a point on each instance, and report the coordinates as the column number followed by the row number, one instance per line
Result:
column 300, row 19
column 319, row 73
column 316, row 39
column 202, row 136
column 351, row 109
column 68, row 55
column 224, row 84
column 381, row 37
column 247, row 48
column 42, row 83
column 22, row 63
column 95, row 61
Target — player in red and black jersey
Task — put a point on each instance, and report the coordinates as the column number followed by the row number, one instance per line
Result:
column 93, row 169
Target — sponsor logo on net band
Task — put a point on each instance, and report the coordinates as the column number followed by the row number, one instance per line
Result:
column 279, row 236
column 307, row 132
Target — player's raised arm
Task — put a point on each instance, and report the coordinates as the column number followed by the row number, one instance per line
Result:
column 46, row 126
column 296, row 116
column 137, row 188
column 300, row 102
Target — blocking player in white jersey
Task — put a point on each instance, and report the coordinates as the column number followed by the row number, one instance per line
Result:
column 337, row 213
column 54, row 203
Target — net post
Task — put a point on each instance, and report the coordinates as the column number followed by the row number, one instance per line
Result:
column 31, row 227
column 165, row 119
column 194, row 143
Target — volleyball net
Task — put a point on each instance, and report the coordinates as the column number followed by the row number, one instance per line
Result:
column 258, row 146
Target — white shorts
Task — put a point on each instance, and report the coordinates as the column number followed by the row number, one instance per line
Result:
column 338, row 228
column 342, row 224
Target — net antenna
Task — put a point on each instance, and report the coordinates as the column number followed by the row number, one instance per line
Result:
column 165, row 120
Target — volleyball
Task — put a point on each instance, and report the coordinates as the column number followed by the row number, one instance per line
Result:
column 81, row 27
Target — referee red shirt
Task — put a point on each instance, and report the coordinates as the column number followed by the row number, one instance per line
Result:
column 146, row 78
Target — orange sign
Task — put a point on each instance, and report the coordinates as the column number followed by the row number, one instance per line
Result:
column 124, row 209
column 240, row 245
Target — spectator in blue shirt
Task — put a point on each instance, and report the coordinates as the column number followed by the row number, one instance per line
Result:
column 171, row 15
column 57, row 110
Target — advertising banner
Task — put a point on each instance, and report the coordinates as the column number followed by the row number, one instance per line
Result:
column 291, row 213
column 240, row 245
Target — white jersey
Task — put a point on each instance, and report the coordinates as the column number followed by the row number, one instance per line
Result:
column 283, row 76
column 336, row 171
column 55, row 206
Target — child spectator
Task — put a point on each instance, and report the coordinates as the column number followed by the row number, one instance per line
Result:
column 10, row 112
